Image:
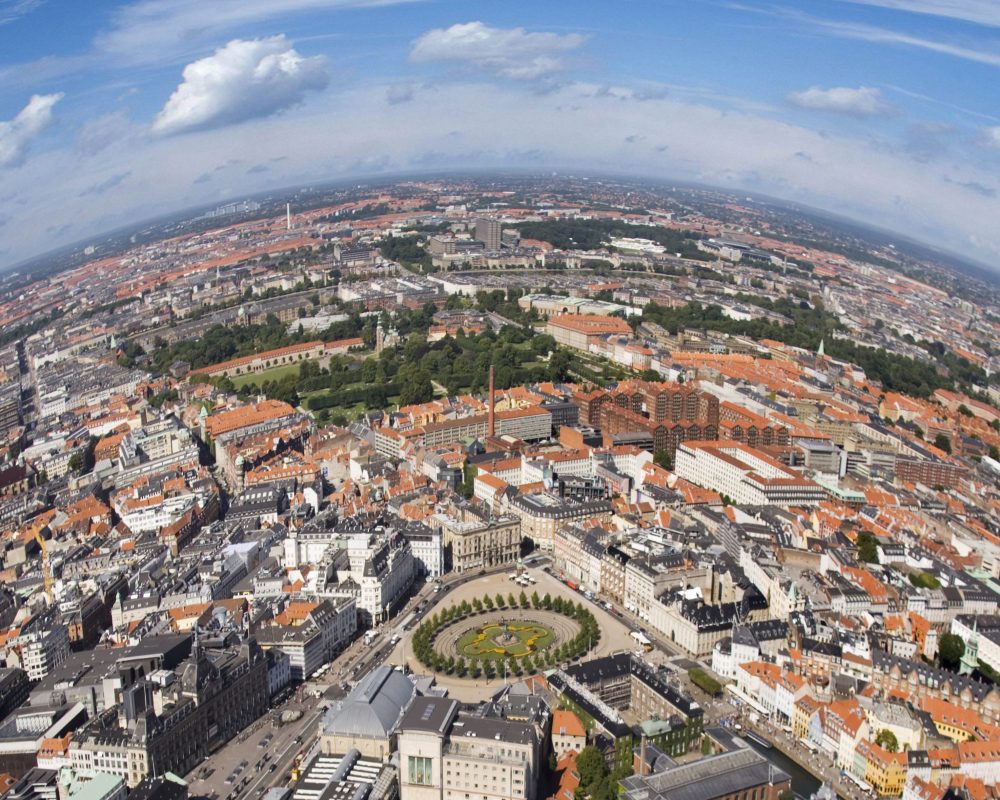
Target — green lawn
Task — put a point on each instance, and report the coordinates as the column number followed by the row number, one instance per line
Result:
column 273, row 374
column 483, row 642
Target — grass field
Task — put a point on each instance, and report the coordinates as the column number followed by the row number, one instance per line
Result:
column 273, row 374
column 484, row 643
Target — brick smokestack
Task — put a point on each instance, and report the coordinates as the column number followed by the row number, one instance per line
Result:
column 492, row 401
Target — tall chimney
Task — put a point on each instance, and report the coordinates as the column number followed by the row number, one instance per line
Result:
column 642, row 755
column 492, row 401
column 288, row 216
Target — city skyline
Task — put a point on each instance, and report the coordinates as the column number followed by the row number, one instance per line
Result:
column 878, row 110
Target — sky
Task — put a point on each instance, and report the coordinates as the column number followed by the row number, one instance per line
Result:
column 885, row 111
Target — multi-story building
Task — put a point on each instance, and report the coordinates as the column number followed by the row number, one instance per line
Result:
column 170, row 720
column 624, row 682
column 10, row 407
column 447, row 755
column 745, row 475
column 364, row 560
column 579, row 330
column 427, row 545
column 39, row 648
column 530, row 424
column 472, row 543
column 490, row 233
column 311, row 634
column 568, row 733
column 541, row 514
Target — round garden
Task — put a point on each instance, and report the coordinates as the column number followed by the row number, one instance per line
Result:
column 494, row 635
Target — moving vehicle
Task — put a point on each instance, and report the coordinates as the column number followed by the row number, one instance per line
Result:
column 642, row 639
column 759, row 740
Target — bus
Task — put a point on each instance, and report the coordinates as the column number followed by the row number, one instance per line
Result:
column 643, row 640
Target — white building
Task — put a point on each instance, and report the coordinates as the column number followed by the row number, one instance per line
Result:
column 745, row 475
column 428, row 550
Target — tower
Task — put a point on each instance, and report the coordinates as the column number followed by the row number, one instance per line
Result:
column 492, row 402
column 288, row 215
column 490, row 233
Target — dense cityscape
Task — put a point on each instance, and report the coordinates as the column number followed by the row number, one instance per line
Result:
column 499, row 488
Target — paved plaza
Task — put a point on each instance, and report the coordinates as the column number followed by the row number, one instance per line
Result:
column 615, row 635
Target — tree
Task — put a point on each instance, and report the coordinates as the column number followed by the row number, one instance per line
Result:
column 591, row 766
column 867, row 548
column 500, row 601
column 559, row 365
column 951, row 648
column 417, row 389
column 662, row 458
column 535, row 600
column 887, row 740
column 75, row 463
column 488, row 602
column 522, row 600
column 942, row 442
column 511, row 601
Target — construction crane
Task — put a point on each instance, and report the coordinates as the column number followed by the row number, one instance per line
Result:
column 46, row 566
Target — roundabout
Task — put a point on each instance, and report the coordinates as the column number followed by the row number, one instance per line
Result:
column 490, row 637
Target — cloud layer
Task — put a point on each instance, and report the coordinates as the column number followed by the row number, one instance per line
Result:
column 861, row 102
column 245, row 79
column 982, row 12
column 17, row 134
column 511, row 53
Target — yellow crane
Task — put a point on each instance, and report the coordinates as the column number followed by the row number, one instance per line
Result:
column 46, row 566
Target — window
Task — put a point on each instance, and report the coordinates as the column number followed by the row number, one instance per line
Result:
column 420, row 770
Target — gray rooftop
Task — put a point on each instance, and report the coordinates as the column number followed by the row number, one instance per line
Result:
column 716, row 776
column 374, row 707
column 430, row 714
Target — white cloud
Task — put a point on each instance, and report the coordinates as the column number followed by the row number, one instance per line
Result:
column 512, row 53
column 861, row 102
column 148, row 30
column 13, row 10
column 245, row 79
column 16, row 134
column 871, row 33
column 982, row 12
column 991, row 136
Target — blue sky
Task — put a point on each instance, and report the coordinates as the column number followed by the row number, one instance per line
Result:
column 882, row 110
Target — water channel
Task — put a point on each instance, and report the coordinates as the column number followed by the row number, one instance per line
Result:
column 804, row 784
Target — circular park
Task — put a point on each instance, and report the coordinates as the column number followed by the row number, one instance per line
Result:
column 497, row 635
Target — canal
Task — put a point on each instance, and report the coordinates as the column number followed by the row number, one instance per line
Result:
column 804, row 784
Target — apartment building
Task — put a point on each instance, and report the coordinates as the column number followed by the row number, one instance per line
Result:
column 745, row 475
column 541, row 514
column 311, row 634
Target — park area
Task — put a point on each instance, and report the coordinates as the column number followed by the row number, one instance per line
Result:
column 504, row 640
